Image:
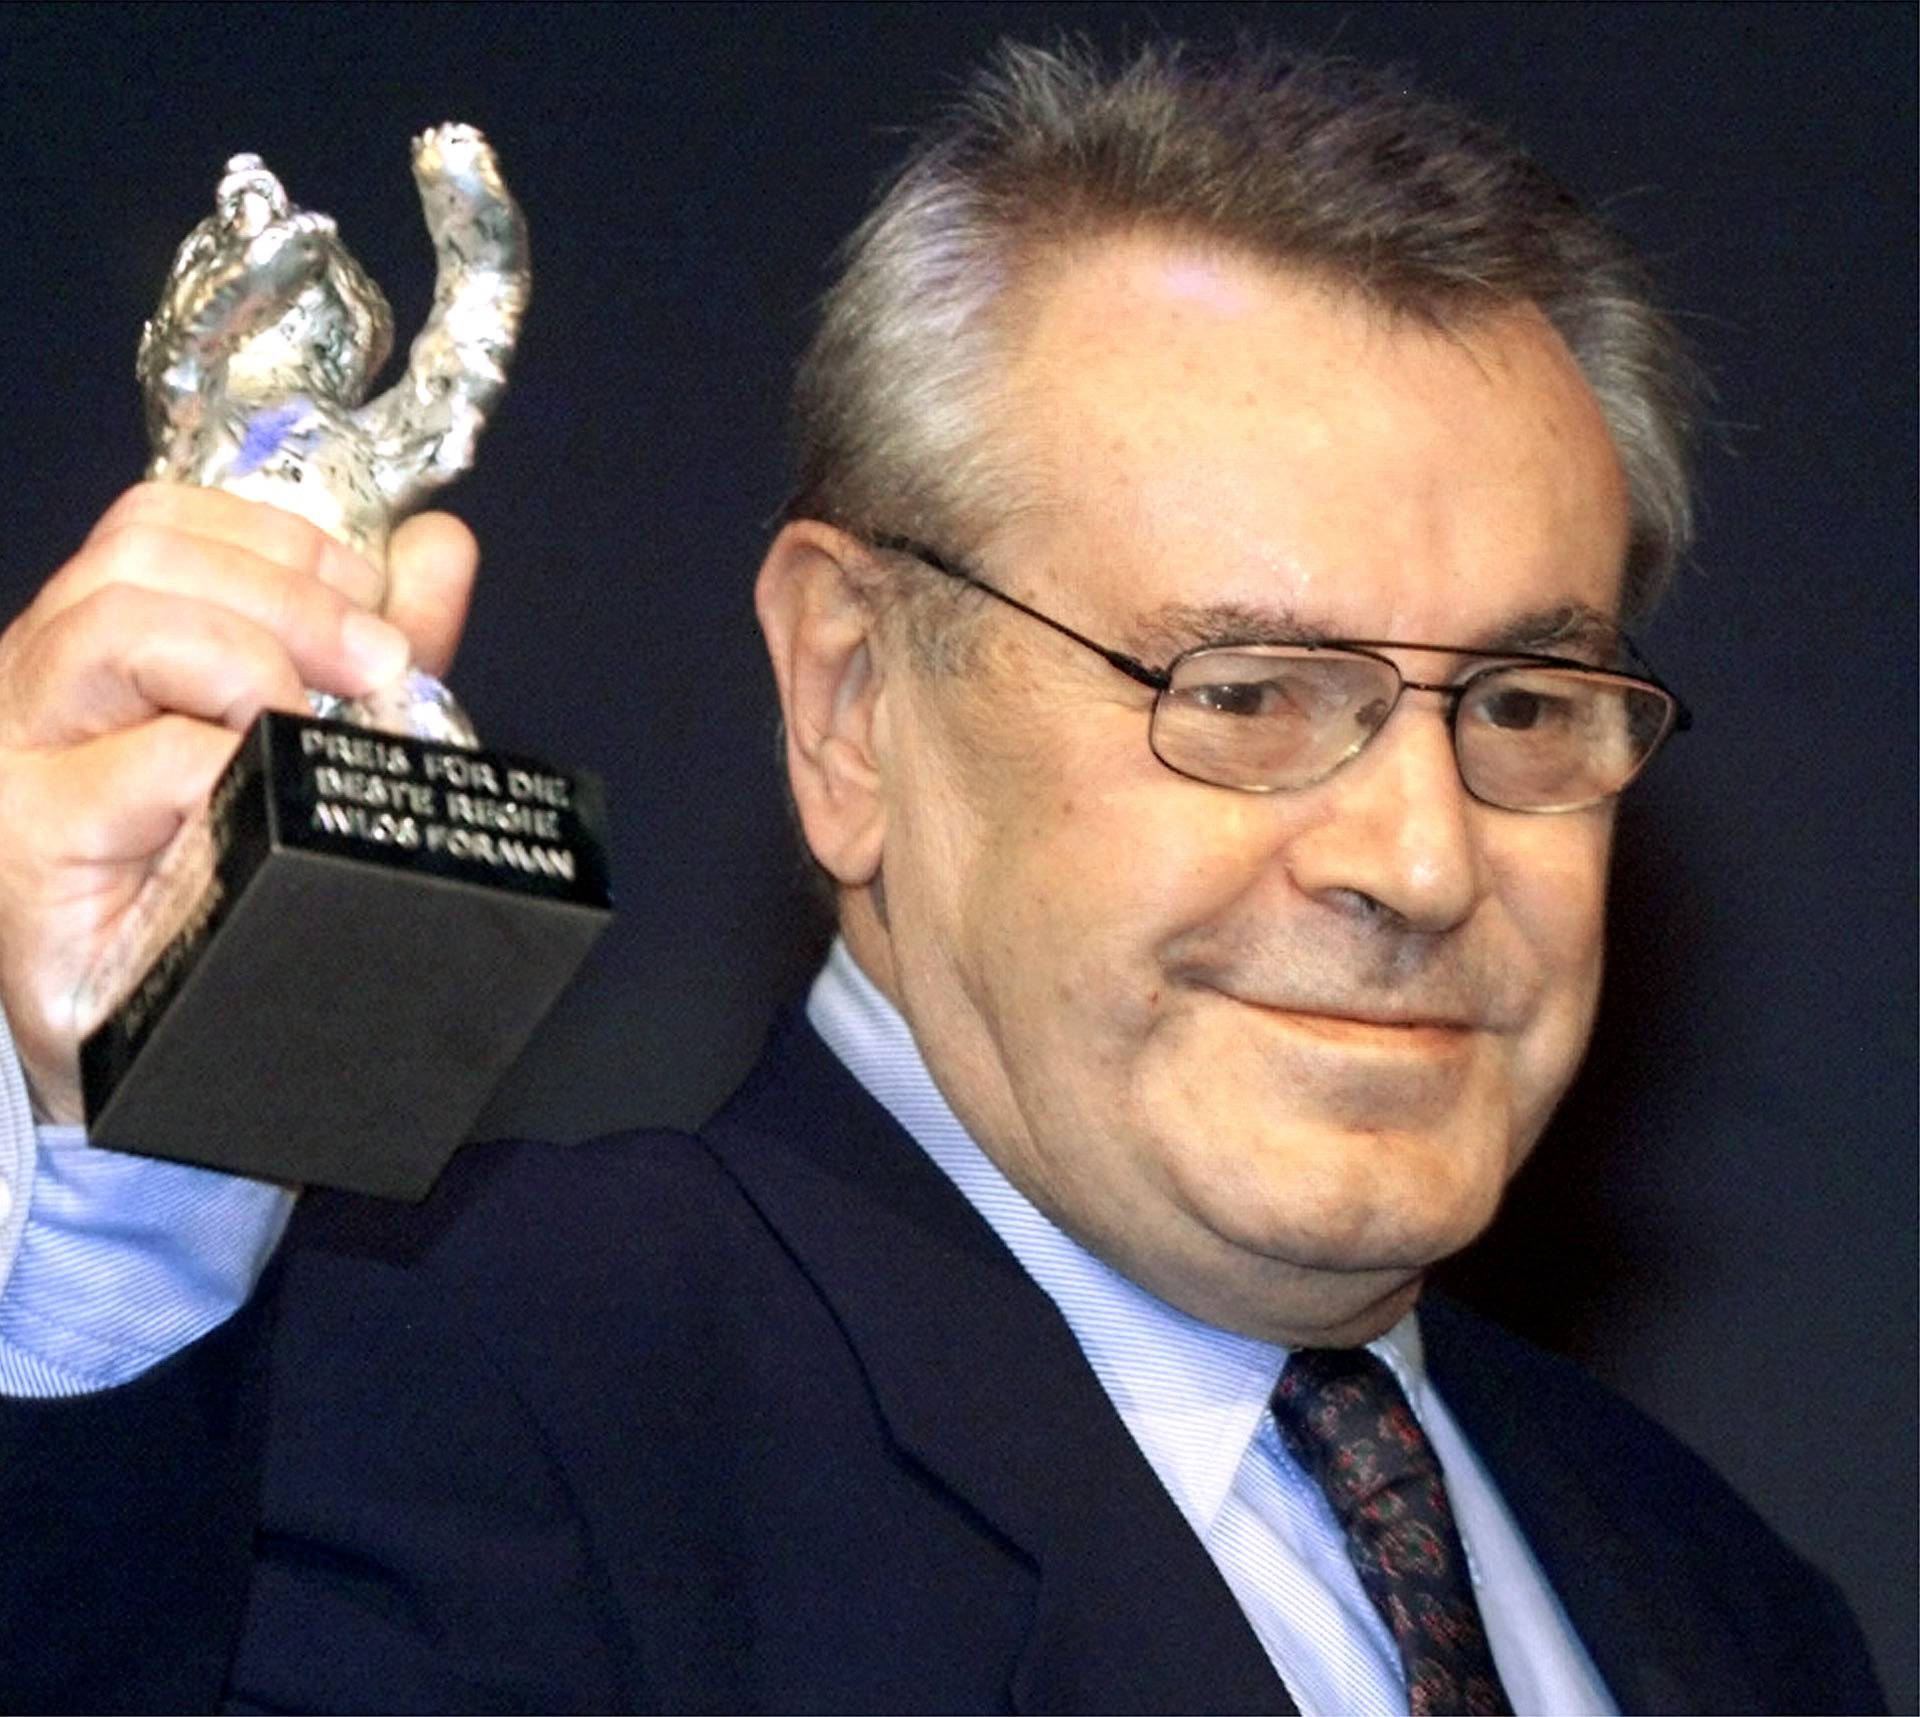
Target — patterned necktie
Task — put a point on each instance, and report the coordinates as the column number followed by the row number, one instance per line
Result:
column 1344, row 1419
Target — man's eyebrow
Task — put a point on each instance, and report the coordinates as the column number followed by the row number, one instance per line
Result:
column 1569, row 628
column 1179, row 626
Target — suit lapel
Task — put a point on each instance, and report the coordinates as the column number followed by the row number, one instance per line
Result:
column 981, row 1384
column 1605, row 1555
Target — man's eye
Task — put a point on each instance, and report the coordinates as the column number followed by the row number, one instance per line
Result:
column 1521, row 711
column 1240, row 697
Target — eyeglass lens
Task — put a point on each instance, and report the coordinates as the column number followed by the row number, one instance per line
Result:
column 1527, row 738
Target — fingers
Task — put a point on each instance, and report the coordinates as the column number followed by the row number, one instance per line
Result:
column 261, row 562
column 267, row 532
column 198, row 602
column 116, row 800
column 128, row 650
column 431, row 563
column 191, row 600
column 125, row 654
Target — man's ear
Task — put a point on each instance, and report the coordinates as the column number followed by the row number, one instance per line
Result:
column 820, row 630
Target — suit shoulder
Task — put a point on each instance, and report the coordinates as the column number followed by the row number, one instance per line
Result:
column 524, row 1214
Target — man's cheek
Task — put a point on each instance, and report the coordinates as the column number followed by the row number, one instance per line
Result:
column 1546, row 1057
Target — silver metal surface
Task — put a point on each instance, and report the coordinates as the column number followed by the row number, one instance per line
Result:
column 256, row 365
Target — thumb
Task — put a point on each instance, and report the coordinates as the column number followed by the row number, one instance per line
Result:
column 431, row 561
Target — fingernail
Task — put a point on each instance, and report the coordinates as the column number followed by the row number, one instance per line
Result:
column 378, row 650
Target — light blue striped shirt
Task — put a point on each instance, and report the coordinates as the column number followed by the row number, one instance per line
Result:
column 108, row 1263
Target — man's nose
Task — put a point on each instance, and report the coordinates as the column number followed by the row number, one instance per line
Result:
column 1397, row 825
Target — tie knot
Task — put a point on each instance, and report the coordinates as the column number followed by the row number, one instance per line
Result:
column 1343, row 1417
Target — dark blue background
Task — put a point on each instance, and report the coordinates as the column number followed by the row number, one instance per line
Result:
column 1722, row 1223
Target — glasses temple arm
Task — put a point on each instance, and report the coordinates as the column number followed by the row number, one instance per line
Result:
column 1154, row 678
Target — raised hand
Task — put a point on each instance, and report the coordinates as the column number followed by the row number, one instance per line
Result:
column 124, row 688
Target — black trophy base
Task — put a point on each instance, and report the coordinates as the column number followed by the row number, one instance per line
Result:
column 386, row 923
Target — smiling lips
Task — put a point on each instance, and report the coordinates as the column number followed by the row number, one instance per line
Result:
column 1411, row 1036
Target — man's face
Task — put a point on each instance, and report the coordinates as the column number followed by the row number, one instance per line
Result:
column 1271, row 1055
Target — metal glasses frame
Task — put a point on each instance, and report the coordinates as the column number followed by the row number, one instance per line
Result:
column 1160, row 680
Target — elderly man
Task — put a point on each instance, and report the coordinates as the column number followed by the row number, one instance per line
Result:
column 1198, row 634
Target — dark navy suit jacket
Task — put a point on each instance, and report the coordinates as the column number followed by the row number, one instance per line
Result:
column 766, row 1419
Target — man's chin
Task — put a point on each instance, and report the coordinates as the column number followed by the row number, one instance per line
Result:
column 1300, row 1305
column 1382, row 1219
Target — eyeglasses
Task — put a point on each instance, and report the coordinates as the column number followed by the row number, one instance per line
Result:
column 1530, row 732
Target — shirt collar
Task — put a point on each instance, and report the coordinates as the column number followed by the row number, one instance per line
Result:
column 1193, row 1396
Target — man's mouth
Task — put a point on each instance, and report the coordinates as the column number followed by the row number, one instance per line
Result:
column 1366, row 1028
column 1366, row 1032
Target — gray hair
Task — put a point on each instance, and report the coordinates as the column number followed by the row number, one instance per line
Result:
column 1309, row 164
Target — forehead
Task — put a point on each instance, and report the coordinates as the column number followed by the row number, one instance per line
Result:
column 1200, row 431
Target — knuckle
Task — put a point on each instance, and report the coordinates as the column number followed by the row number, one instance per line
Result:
column 105, row 557
column 22, row 808
column 142, row 503
column 105, row 616
column 297, row 559
column 290, row 605
column 276, row 535
column 38, row 676
column 16, row 687
column 36, row 801
column 16, row 638
column 127, row 552
column 12, row 797
column 134, row 540
column 251, row 674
